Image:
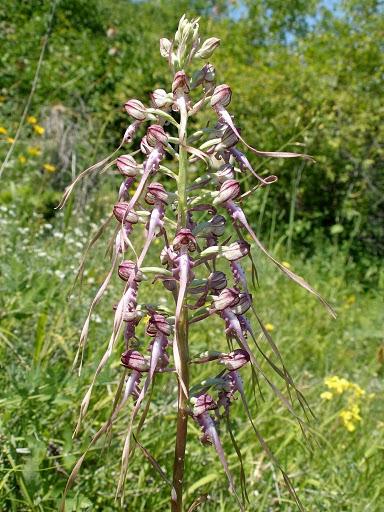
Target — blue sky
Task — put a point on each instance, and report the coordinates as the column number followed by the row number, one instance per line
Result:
column 241, row 10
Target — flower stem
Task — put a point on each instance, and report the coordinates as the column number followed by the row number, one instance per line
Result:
column 182, row 188
column 182, row 334
column 182, row 418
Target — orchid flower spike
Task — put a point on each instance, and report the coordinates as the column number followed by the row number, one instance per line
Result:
column 187, row 240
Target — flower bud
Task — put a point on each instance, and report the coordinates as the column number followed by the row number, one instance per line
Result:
column 184, row 237
column 180, row 82
column 209, row 73
column 158, row 323
column 226, row 172
column 214, row 227
column 136, row 109
column 217, row 280
column 181, row 29
column 229, row 190
column 221, row 96
column 156, row 135
column 170, row 285
column 206, row 75
column 217, row 224
column 229, row 138
column 129, row 315
column 151, row 330
column 120, row 211
column 198, row 77
column 236, row 250
column 202, row 230
column 156, row 192
column 207, row 48
column 198, row 286
column 127, row 166
column 165, row 47
column 209, row 355
column 245, row 302
column 229, row 297
column 185, row 42
column 187, row 31
column 125, row 270
column 161, row 98
column 135, row 361
column 235, row 360
column 202, row 404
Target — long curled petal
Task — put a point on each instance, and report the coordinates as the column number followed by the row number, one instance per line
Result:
column 238, row 215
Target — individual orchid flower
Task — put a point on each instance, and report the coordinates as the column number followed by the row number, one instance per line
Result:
column 201, row 407
column 220, row 99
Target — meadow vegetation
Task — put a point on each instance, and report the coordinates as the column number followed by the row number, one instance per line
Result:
column 306, row 79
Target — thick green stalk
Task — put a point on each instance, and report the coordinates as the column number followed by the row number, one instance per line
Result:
column 181, row 335
column 182, row 188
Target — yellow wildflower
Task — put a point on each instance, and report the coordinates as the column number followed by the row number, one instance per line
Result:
column 34, row 150
column 346, row 419
column 351, row 299
column 2, row 99
column 350, row 417
column 11, row 140
column 49, row 168
column 39, row 129
column 336, row 384
column 357, row 390
column 355, row 410
column 286, row 264
column 3, row 131
column 31, row 120
column 269, row 327
column 22, row 159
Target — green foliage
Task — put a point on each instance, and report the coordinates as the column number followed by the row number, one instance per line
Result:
column 38, row 339
column 321, row 94
column 300, row 81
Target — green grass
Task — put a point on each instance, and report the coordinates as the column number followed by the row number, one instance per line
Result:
column 41, row 394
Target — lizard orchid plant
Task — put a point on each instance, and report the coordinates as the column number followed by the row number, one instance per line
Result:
column 199, row 222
